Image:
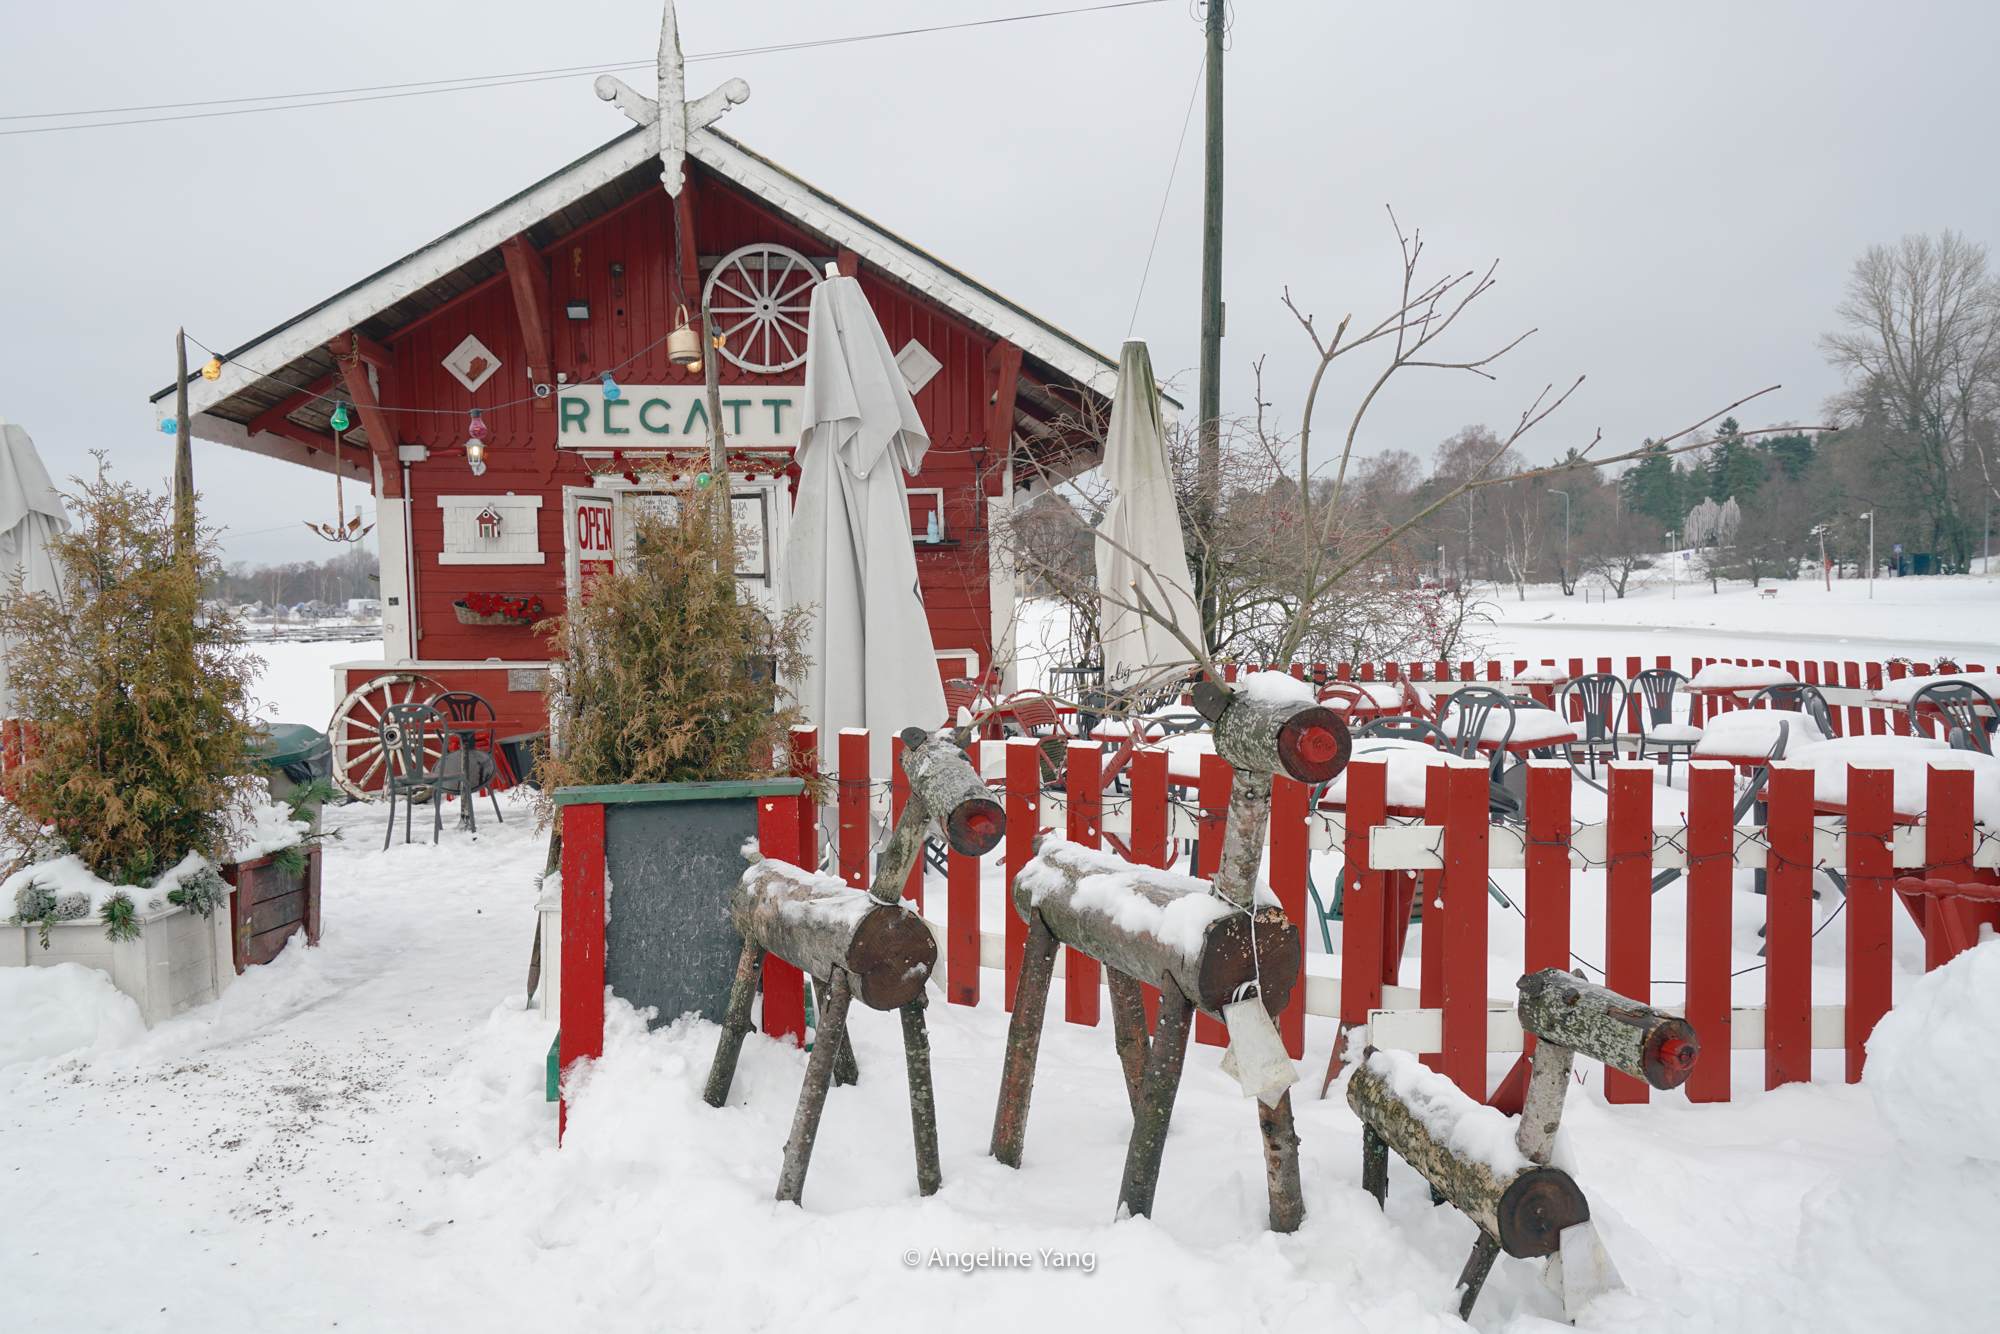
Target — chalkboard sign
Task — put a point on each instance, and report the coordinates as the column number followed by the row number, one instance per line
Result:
column 669, row 868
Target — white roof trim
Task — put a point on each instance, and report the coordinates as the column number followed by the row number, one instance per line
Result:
column 374, row 295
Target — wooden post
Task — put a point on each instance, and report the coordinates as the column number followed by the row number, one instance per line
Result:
column 1080, row 973
column 581, row 1036
column 1871, row 804
column 854, row 806
column 1362, row 939
column 1291, row 852
column 923, row 1098
column 1430, row 983
column 1711, row 867
column 961, row 983
column 1548, row 873
column 1151, row 838
column 1024, row 1041
column 1788, row 931
column 1216, row 787
column 812, row 1097
column 1156, row 1106
column 899, row 797
column 1464, row 925
column 735, row 1023
column 184, row 454
column 784, row 985
column 1628, row 916
column 1024, row 792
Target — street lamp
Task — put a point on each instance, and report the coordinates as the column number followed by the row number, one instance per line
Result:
column 1440, row 565
column 1825, row 569
column 1870, row 516
column 1565, row 568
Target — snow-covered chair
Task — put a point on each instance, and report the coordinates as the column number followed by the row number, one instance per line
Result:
column 1965, row 714
column 1659, row 734
column 1602, row 699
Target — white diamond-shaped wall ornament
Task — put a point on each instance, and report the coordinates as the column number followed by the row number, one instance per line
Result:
column 917, row 365
column 472, row 363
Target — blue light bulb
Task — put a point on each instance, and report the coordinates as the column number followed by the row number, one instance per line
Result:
column 610, row 388
column 171, row 425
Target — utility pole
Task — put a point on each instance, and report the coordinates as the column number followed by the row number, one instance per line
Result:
column 1870, row 516
column 184, row 453
column 1209, row 407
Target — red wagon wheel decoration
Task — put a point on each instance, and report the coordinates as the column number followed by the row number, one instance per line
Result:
column 759, row 297
column 356, row 730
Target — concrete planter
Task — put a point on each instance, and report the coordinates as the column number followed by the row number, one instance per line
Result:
column 179, row 961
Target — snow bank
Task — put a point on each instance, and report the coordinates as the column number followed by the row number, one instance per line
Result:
column 1469, row 1129
column 1409, row 765
column 1729, row 675
column 1754, row 732
column 1909, row 758
column 1905, row 690
column 1274, row 688
column 1906, row 1242
column 61, row 1009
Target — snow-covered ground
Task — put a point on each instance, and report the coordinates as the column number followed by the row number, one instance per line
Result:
column 356, row 1135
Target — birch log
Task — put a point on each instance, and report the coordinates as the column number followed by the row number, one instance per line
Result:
column 1625, row 1034
column 1524, row 1206
column 1308, row 742
column 818, row 923
column 1157, row 927
column 953, row 793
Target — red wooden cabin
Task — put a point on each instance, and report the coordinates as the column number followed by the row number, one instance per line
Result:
column 519, row 313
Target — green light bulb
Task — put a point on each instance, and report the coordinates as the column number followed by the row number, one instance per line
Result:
column 339, row 419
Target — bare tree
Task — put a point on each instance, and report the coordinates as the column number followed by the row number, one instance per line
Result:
column 1921, row 352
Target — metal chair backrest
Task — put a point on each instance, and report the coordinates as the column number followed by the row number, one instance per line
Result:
column 1796, row 697
column 407, row 731
column 961, row 692
column 462, row 706
column 1036, row 714
column 1404, row 729
column 1968, row 712
column 1343, row 699
column 1473, row 705
column 1655, row 688
column 1602, row 696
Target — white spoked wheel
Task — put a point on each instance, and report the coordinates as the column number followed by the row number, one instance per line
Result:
column 759, row 297
column 359, row 758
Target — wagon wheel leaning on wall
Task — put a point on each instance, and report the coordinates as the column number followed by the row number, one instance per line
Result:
column 759, row 297
column 356, row 729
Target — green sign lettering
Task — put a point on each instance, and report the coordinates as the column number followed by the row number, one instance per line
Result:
column 737, row 404
column 698, row 410
column 576, row 410
column 609, row 404
column 663, row 428
column 777, row 407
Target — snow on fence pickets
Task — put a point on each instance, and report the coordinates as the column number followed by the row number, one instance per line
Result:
column 1448, row 851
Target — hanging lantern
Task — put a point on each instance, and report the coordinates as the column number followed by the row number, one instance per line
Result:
column 683, row 344
column 611, row 390
column 477, row 428
column 212, row 371
column 338, row 421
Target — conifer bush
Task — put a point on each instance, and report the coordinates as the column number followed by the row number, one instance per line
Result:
column 662, row 675
column 139, row 704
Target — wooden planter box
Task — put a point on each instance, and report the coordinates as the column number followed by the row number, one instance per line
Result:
column 180, row 959
column 269, row 905
column 647, row 869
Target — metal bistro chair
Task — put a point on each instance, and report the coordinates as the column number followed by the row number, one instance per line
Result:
column 1967, row 714
column 1658, row 732
column 1602, row 697
column 1794, row 697
column 1402, row 727
column 478, row 766
column 412, row 735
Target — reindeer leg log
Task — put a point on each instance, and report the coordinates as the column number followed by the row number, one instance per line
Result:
column 845, row 1069
column 1156, row 1105
column 735, row 1024
column 923, row 1099
column 1375, row 1164
column 1024, row 1041
column 1472, row 1278
column 812, row 1097
column 1128, row 1031
column 1281, row 1164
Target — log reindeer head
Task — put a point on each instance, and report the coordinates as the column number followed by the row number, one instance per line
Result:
column 1296, row 738
column 952, row 792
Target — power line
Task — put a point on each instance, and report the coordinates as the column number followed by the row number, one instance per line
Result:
column 390, row 91
column 1173, row 171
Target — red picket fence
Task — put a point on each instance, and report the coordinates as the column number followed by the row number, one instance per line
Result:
column 1445, row 854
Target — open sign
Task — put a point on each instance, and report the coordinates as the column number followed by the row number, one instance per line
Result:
column 593, row 532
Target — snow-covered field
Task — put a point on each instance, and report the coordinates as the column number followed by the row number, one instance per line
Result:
column 356, row 1135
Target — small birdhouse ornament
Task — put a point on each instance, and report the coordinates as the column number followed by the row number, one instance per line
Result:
column 489, row 522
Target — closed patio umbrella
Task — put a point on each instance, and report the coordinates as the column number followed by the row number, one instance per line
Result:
column 849, row 553
column 30, row 514
column 1144, row 520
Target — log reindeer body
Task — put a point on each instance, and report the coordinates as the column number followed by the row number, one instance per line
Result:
column 818, row 922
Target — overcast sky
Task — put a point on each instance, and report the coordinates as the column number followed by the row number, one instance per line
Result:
column 1675, row 193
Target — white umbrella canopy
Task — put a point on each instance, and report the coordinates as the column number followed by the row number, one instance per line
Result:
column 1144, row 520
column 849, row 557
column 30, row 514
